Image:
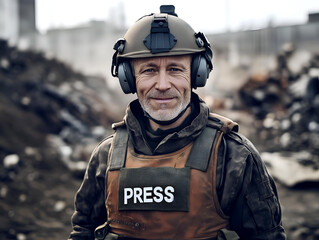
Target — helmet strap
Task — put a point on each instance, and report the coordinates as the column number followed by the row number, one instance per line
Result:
column 167, row 122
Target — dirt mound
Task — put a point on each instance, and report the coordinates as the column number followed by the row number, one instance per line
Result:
column 50, row 119
column 285, row 109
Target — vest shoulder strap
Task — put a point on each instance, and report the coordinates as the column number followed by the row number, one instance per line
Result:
column 200, row 153
column 119, row 148
column 198, row 159
column 222, row 123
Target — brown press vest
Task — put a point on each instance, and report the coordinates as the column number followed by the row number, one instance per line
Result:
column 198, row 216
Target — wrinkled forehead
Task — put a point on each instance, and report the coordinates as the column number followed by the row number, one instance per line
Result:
column 167, row 60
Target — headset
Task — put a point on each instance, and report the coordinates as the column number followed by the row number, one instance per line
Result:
column 201, row 65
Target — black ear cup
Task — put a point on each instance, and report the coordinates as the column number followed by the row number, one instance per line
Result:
column 126, row 77
column 200, row 71
column 199, row 74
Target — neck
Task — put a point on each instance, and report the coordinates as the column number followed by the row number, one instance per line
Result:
column 155, row 125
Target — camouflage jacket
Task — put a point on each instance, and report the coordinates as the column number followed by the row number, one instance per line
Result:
column 247, row 193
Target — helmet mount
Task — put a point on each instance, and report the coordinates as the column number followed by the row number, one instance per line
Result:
column 160, row 39
column 169, row 9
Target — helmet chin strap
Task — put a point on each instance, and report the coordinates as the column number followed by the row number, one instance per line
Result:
column 167, row 122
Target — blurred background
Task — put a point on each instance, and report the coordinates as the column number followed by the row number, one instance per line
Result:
column 58, row 99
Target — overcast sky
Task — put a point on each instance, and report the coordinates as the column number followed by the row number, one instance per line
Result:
column 209, row 16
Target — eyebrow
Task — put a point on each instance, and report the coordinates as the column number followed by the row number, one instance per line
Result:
column 177, row 65
column 173, row 64
column 146, row 65
column 150, row 64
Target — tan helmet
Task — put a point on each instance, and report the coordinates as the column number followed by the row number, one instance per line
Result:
column 163, row 34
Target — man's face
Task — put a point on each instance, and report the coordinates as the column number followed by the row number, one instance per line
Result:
column 163, row 85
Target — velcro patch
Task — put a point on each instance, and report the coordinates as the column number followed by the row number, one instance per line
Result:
column 157, row 189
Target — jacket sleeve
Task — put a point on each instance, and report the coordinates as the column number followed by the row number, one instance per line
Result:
column 90, row 211
column 249, row 193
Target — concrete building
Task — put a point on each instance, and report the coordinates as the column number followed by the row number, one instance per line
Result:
column 9, row 20
column 17, row 19
column 26, row 17
column 87, row 48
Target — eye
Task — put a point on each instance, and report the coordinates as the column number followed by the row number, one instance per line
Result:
column 148, row 70
column 174, row 69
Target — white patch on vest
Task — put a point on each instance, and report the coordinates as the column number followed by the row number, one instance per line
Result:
column 149, row 194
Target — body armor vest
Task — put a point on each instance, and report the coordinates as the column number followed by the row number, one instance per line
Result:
column 169, row 196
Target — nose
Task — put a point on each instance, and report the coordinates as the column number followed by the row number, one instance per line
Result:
column 162, row 83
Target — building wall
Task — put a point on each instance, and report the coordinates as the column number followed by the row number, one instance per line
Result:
column 89, row 48
column 9, row 20
column 254, row 51
column 269, row 41
column 17, row 19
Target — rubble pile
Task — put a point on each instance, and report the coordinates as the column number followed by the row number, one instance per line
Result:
column 43, row 98
column 50, row 119
column 286, row 106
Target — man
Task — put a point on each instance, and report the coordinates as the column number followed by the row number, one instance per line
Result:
column 172, row 170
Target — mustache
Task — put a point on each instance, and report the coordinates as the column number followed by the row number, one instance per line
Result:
column 171, row 93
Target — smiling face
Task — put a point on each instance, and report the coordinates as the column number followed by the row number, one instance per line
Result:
column 163, row 85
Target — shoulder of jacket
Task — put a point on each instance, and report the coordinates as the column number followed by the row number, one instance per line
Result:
column 222, row 123
column 118, row 124
column 241, row 140
column 231, row 132
column 106, row 142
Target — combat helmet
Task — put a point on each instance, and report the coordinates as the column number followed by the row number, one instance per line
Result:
column 161, row 34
